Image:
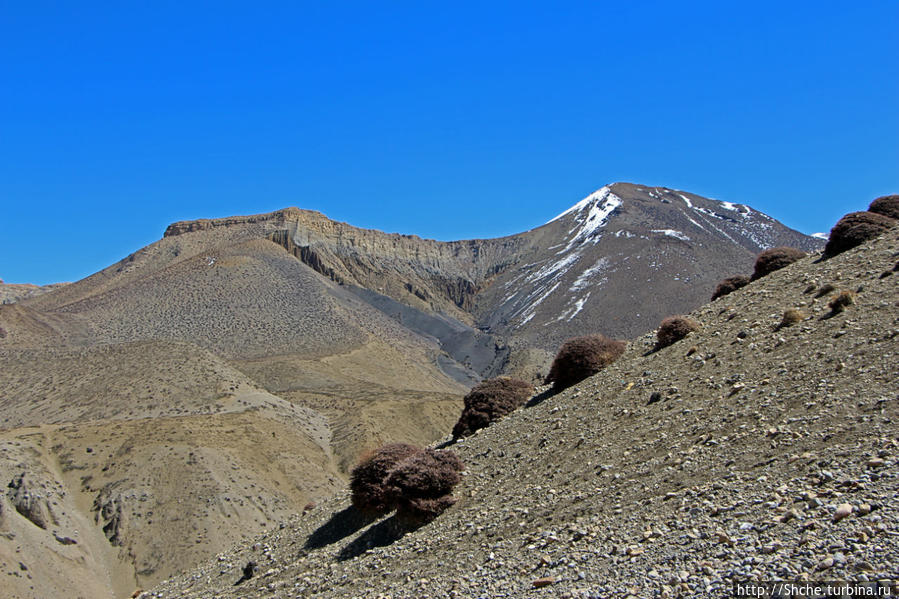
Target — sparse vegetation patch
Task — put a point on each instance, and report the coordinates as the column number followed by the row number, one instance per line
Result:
column 729, row 285
column 775, row 259
column 489, row 401
column 581, row 357
column 855, row 229
column 673, row 329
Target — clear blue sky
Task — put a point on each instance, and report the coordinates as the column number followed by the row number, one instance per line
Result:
column 448, row 120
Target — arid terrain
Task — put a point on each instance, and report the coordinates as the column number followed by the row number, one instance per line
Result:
column 747, row 451
column 215, row 383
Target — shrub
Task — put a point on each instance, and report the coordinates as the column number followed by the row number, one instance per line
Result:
column 420, row 486
column 775, row 259
column 581, row 357
column 489, row 401
column 791, row 316
column 729, row 285
column 841, row 301
column 367, row 479
column 854, row 229
column 673, row 329
column 886, row 205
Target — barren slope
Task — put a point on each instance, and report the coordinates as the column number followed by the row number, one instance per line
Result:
column 150, row 453
column 219, row 379
column 734, row 471
column 125, row 462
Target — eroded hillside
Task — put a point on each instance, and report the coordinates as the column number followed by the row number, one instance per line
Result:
column 748, row 450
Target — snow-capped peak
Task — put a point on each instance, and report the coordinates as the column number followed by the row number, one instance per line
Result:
column 824, row 236
column 595, row 197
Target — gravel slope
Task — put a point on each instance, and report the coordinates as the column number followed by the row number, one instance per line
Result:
column 759, row 439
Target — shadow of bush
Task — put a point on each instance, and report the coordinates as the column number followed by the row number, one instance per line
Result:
column 338, row 527
column 380, row 535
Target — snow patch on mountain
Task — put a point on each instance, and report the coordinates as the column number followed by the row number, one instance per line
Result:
column 600, row 206
column 573, row 311
column 578, row 306
column 585, row 278
column 557, row 268
column 594, row 199
column 531, row 306
column 672, row 233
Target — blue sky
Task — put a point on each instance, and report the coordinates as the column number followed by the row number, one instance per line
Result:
column 447, row 120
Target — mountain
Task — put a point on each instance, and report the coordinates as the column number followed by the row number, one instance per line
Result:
column 231, row 373
column 622, row 259
column 14, row 292
column 748, row 451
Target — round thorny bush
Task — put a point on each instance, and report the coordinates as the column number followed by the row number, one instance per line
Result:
column 420, row 486
column 673, row 329
column 581, row 357
column 367, row 479
column 775, row 259
column 855, row 229
column 886, row 205
column 729, row 285
column 490, row 400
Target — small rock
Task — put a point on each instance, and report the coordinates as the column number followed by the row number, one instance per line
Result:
column 843, row 510
column 64, row 540
column 825, row 563
column 543, row 582
column 864, row 567
column 793, row 513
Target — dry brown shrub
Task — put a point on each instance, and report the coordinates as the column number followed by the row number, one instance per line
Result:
column 367, row 479
column 729, row 285
column 775, row 259
column 581, row 357
column 673, row 329
column 489, row 401
column 791, row 316
column 886, row 205
column 855, row 229
column 421, row 485
column 841, row 301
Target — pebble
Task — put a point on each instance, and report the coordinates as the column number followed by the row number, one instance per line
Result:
column 843, row 510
